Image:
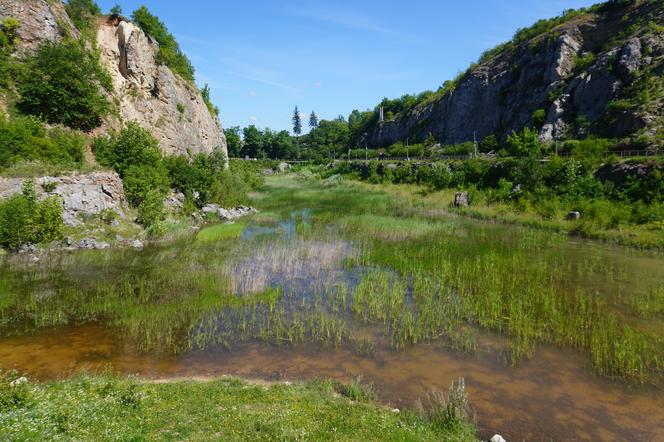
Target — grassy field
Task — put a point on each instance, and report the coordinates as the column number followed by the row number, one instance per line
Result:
column 104, row 408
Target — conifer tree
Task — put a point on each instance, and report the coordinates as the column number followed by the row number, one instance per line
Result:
column 297, row 122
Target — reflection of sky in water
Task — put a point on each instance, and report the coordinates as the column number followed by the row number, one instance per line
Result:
column 286, row 228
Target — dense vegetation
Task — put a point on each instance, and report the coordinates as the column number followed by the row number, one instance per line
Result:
column 61, row 85
column 26, row 220
column 110, row 408
column 546, row 190
column 147, row 175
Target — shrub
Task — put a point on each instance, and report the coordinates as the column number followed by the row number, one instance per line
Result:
column 8, row 34
column 139, row 180
column 82, row 12
column 525, row 143
column 62, row 86
column 539, row 117
column 447, row 412
column 26, row 138
column 134, row 153
column 151, row 209
column 229, row 189
column 26, row 220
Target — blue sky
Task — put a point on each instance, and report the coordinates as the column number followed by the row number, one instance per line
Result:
column 261, row 58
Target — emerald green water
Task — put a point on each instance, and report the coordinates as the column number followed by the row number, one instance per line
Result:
column 556, row 338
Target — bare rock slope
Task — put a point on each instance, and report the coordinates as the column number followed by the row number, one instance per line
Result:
column 572, row 73
column 152, row 95
column 144, row 91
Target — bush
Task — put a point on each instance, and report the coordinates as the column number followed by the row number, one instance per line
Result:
column 139, row 180
column 151, row 209
column 27, row 139
column 229, row 189
column 525, row 143
column 82, row 13
column 62, row 86
column 26, row 220
column 134, row 153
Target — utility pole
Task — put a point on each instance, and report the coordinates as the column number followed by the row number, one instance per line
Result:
column 407, row 151
column 366, row 152
column 349, row 154
column 475, row 142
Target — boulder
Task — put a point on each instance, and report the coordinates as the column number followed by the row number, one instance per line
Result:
column 283, row 167
column 461, row 199
column 137, row 244
column 497, row 438
column 573, row 216
column 91, row 244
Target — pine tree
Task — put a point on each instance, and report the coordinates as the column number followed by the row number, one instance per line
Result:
column 297, row 122
column 116, row 10
column 313, row 120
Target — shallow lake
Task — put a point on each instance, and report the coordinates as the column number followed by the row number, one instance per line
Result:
column 557, row 339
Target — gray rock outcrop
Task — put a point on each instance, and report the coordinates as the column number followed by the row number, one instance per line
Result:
column 572, row 73
column 40, row 21
column 82, row 194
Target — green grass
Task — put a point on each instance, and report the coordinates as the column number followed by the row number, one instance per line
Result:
column 110, row 408
column 220, row 232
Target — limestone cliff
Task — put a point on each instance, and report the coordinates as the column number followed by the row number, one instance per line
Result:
column 572, row 72
column 152, row 95
column 144, row 91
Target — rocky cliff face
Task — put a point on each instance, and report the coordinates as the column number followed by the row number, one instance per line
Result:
column 501, row 94
column 152, row 95
column 144, row 91
column 40, row 21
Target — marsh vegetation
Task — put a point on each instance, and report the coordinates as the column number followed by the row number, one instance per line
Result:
column 345, row 267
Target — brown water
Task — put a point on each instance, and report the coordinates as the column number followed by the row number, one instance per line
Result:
column 552, row 396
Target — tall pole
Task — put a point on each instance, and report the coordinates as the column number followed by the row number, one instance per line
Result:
column 475, row 142
column 407, row 150
column 366, row 152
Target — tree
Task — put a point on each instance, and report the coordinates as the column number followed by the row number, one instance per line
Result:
column 297, row 122
column 63, row 86
column 313, row 120
column 233, row 141
column 525, row 143
column 253, row 142
column 116, row 10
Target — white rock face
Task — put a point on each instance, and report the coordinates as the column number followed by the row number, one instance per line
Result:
column 82, row 194
column 150, row 94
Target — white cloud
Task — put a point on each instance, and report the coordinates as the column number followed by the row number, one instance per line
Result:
column 345, row 18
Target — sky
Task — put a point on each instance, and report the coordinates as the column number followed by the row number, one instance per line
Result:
column 262, row 58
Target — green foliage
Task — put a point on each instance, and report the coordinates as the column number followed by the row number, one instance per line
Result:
column 584, row 61
column 489, row 144
column 313, row 120
column 539, row 117
column 170, row 53
column 297, row 121
column 233, row 141
column 140, row 179
column 525, row 143
column 27, row 139
column 116, row 11
column 205, row 93
column 82, row 13
column 26, row 220
column 8, row 34
column 134, row 153
column 62, row 86
column 151, row 209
